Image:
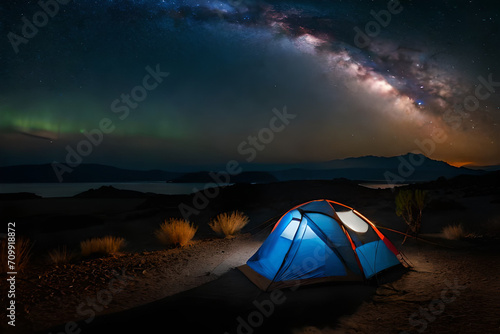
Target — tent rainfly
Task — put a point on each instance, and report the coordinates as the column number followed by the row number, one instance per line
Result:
column 320, row 241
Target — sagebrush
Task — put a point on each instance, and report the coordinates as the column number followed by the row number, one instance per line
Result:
column 19, row 256
column 177, row 232
column 229, row 223
column 454, row 232
column 61, row 255
column 104, row 246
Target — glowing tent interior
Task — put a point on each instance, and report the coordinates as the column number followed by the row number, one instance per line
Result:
column 320, row 241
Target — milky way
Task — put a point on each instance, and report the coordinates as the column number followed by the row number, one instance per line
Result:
column 362, row 77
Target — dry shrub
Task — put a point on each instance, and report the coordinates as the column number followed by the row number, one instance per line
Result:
column 229, row 223
column 454, row 232
column 22, row 252
column 177, row 232
column 61, row 255
column 103, row 246
column 410, row 205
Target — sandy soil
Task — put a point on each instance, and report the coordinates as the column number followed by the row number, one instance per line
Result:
column 448, row 290
column 51, row 295
column 452, row 287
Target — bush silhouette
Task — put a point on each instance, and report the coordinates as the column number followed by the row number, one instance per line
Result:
column 409, row 206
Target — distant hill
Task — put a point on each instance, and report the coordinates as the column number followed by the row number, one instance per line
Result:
column 405, row 168
column 243, row 177
column 111, row 192
column 83, row 173
column 399, row 169
column 491, row 168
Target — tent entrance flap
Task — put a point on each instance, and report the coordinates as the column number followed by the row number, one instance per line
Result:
column 315, row 243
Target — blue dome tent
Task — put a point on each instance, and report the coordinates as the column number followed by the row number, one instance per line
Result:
column 320, row 241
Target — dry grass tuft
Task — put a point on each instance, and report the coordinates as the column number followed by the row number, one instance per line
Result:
column 229, row 223
column 61, row 255
column 454, row 232
column 177, row 232
column 103, row 246
column 22, row 254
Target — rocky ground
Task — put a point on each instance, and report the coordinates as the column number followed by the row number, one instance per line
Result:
column 49, row 295
column 448, row 290
column 420, row 301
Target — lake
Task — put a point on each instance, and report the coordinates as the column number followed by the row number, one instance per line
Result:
column 160, row 187
column 382, row 185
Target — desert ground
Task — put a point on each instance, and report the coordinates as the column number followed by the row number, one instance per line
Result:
column 452, row 285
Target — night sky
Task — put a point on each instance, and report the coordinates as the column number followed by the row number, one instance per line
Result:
column 424, row 78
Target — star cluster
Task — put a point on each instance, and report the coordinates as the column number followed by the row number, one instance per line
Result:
column 356, row 90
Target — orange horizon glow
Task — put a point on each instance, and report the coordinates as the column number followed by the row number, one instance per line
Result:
column 461, row 163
